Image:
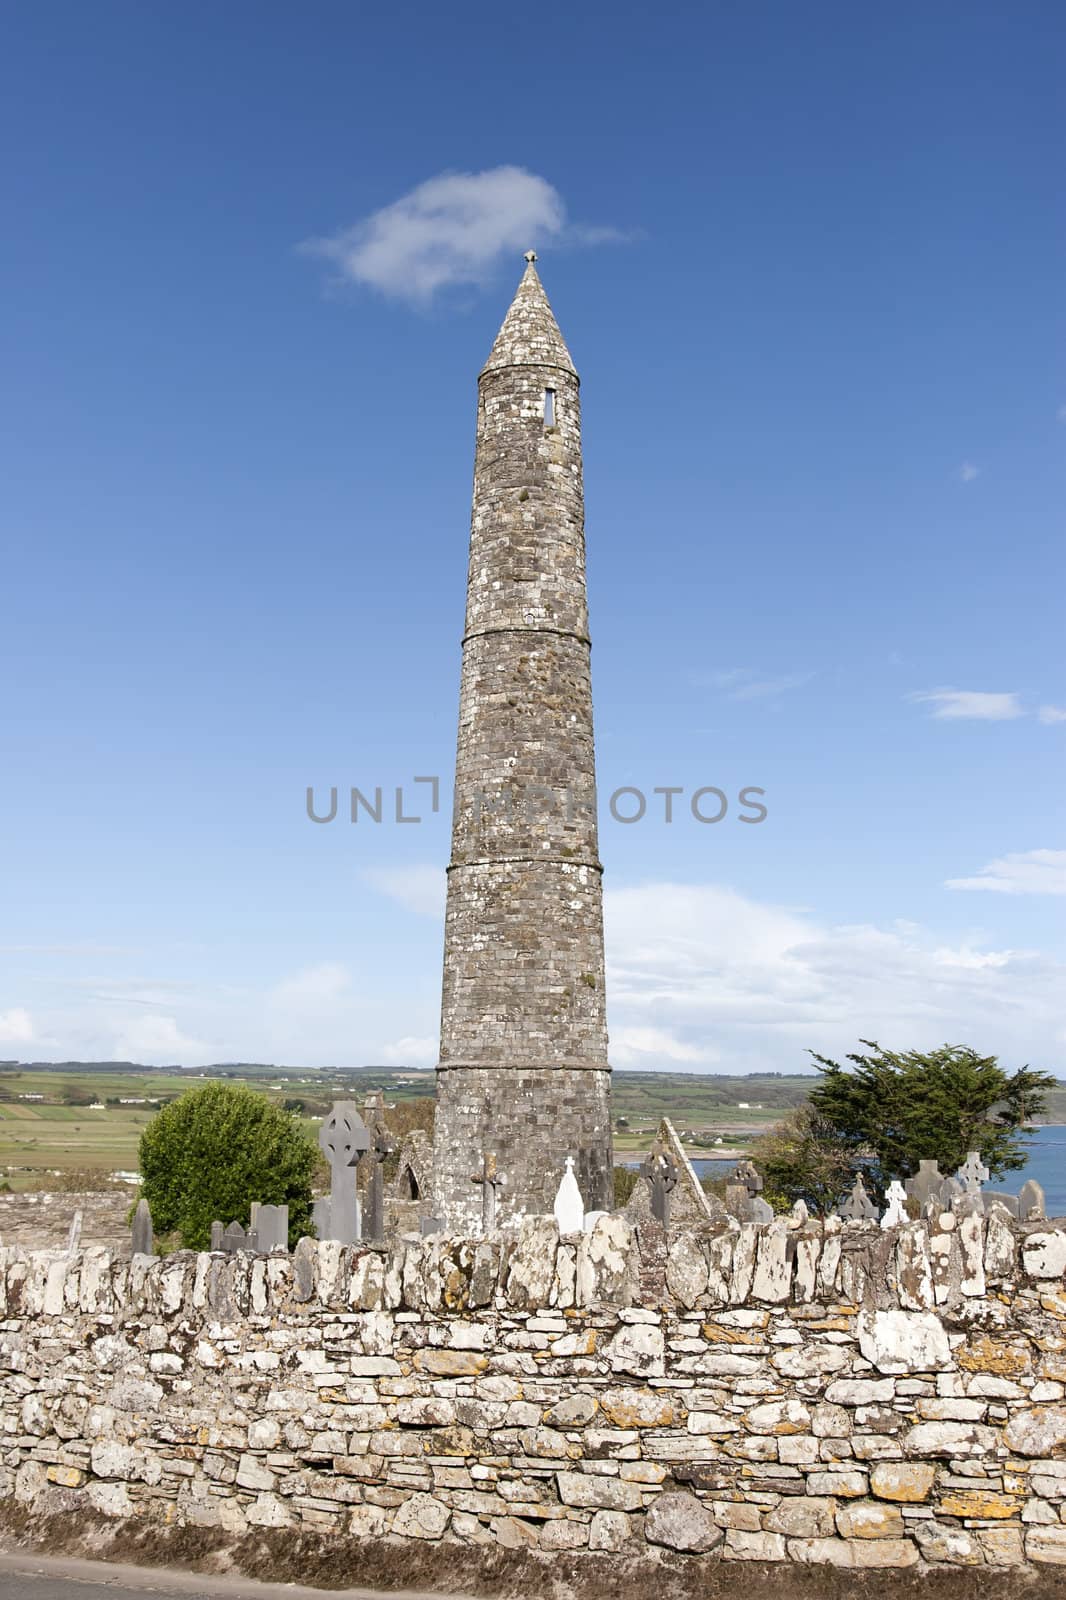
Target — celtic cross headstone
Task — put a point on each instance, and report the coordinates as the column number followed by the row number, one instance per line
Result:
column 926, row 1185
column 858, row 1207
column 490, row 1179
column 972, row 1174
column 344, row 1139
column 660, row 1169
column 743, row 1194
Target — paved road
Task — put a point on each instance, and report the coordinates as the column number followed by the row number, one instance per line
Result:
column 31, row 1577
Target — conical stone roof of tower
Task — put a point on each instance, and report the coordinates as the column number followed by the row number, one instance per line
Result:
column 530, row 335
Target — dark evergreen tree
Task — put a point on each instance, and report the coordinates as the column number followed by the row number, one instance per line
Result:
column 890, row 1110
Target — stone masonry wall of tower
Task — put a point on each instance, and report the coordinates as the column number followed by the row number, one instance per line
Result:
column 523, row 1069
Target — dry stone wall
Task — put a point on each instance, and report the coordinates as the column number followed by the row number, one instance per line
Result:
column 42, row 1221
column 792, row 1393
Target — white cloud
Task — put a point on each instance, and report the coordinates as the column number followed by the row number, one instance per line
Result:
column 632, row 1046
column 159, row 1041
column 1051, row 714
column 742, row 985
column 452, row 230
column 309, row 987
column 968, row 472
column 412, row 1051
column 970, row 705
column 1025, row 872
column 745, row 683
column 418, row 888
column 16, row 1026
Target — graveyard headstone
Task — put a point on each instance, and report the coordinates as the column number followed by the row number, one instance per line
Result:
column 896, row 1209
column 569, row 1206
column 858, row 1207
column 143, row 1241
column 490, row 1179
column 344, row 1139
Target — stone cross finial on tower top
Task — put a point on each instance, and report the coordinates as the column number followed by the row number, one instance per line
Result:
column 530, row 335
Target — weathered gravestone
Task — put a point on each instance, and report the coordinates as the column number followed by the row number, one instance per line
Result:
column 74, row 1236
column 143, row 1242
column 743, row 1194
column 972, row 1174
column 383, row 1146
column 926, row 1185
column 234, row 1238
column 270, row 1228
column 1031, row 1200
column 660, row 1169
column 344, row 1139
column 490, row 1179
column 858, row 1207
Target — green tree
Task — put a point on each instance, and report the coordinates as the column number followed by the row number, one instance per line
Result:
column 212, row 1152
column 803, row 1158
column 890, row 1110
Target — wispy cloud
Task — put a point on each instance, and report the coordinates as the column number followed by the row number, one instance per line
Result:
column 413, row 1050
column 643, row 1047
column 949, row 705
column 452, row 230
column 159, row 1041
column 418, row 888
column 744, row 985
column 16, row 1026
column 1024, row 872
column 967, row 472
column 746, row 683
column 311, row 985
column 1051, row 714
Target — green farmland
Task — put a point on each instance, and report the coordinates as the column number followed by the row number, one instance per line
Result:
column 83, row 1119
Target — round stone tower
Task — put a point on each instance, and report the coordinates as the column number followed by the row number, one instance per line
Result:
column 523, row 1075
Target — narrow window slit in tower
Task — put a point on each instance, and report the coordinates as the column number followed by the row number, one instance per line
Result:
column 549, row 408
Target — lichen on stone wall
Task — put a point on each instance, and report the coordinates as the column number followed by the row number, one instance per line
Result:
column 812, row 1393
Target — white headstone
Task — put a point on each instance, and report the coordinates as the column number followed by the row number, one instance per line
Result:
column 569, row 1206
column 896, row 1214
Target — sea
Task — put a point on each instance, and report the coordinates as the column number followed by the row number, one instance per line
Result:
column 1046, row 1163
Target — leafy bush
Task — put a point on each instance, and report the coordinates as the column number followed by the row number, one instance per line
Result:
column 212, row 1152
column 803, row 1158
column 625, row 1179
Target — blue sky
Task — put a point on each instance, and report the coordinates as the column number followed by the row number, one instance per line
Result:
column 809, row 263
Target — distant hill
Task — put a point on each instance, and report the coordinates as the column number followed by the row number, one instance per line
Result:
column 693, row 1097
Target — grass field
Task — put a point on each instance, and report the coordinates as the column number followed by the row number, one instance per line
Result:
column 41, row 1136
